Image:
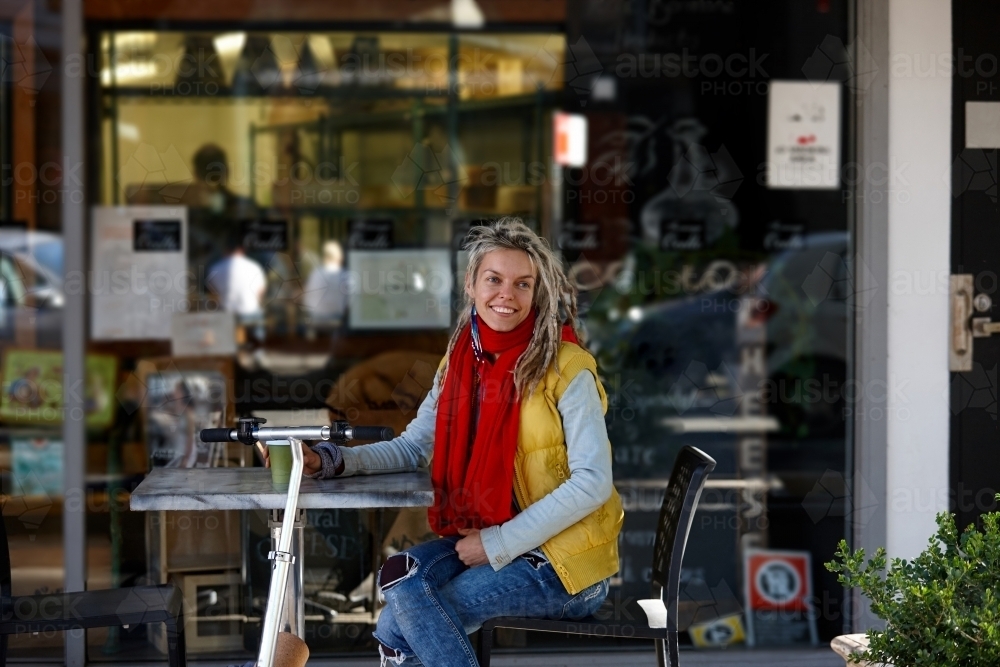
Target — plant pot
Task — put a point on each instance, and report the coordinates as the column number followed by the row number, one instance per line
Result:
column 848, row 645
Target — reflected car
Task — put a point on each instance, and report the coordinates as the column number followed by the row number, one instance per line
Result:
column 31, row 287
column 673, row 369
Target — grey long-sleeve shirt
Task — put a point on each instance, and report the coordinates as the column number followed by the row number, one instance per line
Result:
column 588, row 487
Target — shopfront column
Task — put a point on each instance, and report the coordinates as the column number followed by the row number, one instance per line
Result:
column 74, row 318
column 919, row 255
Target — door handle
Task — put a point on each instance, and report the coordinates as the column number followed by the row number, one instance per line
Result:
column 965, row 327
column 960, row 352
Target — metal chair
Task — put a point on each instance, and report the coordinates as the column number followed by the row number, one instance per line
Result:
column 90, row 609
column 633, row 620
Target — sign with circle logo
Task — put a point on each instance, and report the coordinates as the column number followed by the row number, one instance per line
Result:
column 778, row 580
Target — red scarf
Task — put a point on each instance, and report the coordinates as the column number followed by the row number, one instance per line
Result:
column 473, row 468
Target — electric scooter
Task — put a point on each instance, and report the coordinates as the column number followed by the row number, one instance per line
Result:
column 250, row 431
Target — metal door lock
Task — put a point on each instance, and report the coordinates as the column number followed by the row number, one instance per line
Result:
column 965, row 327
column 982, row 327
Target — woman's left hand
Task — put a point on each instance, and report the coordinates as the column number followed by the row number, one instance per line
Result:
column 470, row 548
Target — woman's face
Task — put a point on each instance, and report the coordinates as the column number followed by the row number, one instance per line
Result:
column 504, row 288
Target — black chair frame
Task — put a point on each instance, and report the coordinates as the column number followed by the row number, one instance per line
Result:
column 690, row 472
column 90, row 609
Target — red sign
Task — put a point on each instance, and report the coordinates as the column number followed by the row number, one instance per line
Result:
column 777, row 580
column 570, row 137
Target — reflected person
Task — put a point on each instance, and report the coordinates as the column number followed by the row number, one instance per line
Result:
column 325, row 294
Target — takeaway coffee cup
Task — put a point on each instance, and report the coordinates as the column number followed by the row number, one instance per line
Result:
column 280, row 454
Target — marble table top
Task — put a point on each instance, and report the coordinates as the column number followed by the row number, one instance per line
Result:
column 250, row 488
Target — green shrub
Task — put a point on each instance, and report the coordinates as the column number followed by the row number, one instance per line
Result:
column 942, row 607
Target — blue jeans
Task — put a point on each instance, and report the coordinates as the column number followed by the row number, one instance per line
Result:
column 433, row 601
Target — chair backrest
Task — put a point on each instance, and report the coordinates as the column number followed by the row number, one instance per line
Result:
column 687, row 480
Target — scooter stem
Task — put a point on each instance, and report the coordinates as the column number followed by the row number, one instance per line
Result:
column 283, row 562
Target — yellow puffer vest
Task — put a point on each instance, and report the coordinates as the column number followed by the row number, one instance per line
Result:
column 587, row 551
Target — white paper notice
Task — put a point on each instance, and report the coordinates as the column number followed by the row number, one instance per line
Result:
column 203, row 334
column 138, row 271
column 803, row 135
column 400, row 289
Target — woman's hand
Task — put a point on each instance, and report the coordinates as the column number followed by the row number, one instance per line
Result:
column 311, row 462
column 470, row 548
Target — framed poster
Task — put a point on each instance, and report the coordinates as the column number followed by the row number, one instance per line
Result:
column 180, row 398
column 400, row 289
column 778, row 591
column 138, row 271
column 33, row 388
column 38, row 466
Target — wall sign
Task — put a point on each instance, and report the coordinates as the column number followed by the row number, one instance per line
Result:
column 138, row 271
column 203, row 334
column 579, row 236
column 677, row 234
column 803, row 135
column 157, row 236
column 400, row 289
column 370, row 234
column 265, row 235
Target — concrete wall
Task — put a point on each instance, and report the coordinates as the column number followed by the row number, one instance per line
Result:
column 920, row 48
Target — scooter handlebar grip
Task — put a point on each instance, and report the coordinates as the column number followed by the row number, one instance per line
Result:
column 216, row 435
column 372, row 433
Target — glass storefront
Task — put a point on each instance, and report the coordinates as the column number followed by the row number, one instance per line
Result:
column 334, row 158
column 305, row 192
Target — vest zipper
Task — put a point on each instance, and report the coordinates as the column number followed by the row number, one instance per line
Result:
column 519, row 493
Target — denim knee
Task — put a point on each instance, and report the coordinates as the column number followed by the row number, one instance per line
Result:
column 397, row 576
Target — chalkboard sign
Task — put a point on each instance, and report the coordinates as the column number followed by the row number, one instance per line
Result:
column 677, row 234
column 370, row 234
column 156, row 236
column 781, row 235
column 579, row 236
column 265, row 235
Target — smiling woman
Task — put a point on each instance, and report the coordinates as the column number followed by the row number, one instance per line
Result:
column 514, row 433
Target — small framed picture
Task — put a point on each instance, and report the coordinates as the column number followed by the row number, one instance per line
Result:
column 180, row 397
column 32, row 390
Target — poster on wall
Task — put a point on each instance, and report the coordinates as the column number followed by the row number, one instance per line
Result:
column 803, row 135
column 138, row 271
column 179, row 403
column 38, row 466
column 778, row 592
column 33, row 388
column 400, row 289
